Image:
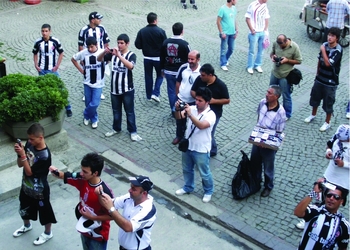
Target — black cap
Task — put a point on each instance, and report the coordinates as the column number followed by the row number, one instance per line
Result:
column 142, row 181
column 94, row 15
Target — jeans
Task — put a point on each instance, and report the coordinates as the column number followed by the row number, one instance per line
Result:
column 225, row 52
column 148, row 67
column 92, row 101
column 126, row 100
column 263, row 157
column 91, row 244
column 201, row 160
column 44, row 72
column 258, row 38
column 214, row 147
column 171, row 84
column 286, row 93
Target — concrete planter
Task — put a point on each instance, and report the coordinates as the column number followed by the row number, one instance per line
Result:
column 19, row 129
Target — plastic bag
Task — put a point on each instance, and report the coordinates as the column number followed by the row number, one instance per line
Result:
column 266, row 42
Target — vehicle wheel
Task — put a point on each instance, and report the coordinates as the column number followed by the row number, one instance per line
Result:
column 344, row 38
column 314, row 33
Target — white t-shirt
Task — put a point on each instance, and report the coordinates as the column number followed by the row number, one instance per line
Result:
column 257, row 13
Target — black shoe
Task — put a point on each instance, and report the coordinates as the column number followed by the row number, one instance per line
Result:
column 69, row 113
column 266, row 192
column 212, row 154
column 195, row 7
column 184, row 6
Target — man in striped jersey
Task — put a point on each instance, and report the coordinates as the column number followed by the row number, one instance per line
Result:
column 122, row 86
column 93, row 72
column 96, row 30
column 325, row 227
column 47, row 47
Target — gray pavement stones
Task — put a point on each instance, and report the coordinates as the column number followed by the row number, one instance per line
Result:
column 299, row 162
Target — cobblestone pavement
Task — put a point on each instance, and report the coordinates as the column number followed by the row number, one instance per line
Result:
column 298, row 164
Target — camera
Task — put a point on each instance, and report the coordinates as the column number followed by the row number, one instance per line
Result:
column 278, row 61
column 19, row 142
column 182, row 105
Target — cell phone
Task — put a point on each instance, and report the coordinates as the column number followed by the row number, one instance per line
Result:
column 55, row 172
column 19, row 142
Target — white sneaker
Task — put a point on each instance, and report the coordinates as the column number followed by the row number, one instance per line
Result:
column 259, row 69
column 103, row 97
column 111, row 133
column 86, row 122
column 94, row 124
column 22, row 230
column 224, row 68
column 206, row 198
column 309, row 119
column 43, row 238
column 348, row 115
column 250, row 70
column 180, row 191
column 135, row 137
column 325, row 126
column 155, row 98
column 228, row 63
column 83, row 99
column 300, row 225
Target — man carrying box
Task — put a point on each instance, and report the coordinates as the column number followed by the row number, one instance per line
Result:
column 271, row 115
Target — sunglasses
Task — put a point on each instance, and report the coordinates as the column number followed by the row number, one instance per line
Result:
column 279, row 42
column 335, row 196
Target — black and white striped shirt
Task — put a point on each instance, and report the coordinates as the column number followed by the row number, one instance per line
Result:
column 121, row 79
column 99, row 33
column 93, row 69
column 47, row 52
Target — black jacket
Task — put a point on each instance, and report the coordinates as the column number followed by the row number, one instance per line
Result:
column 150, row 39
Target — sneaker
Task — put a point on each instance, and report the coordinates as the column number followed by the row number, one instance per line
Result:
column 135, row 137
column 259, row 69
column 325, row 126
column 155, row 98
column 184, row 6
column 206, row 198
column 69, row 113
column 224, row 68
column 103, row 97
column 180, row 191
column 348, row 115
column 83, row 98
column 309, row 119
column 300, row 225
column 86, row 122
column 250, row 70
column 94, row 124
column 22, row 230
column 111, row 133
column 227, row 64
column 195, row 7
column 43, row 238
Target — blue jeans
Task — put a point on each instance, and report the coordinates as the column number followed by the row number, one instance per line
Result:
column 126, row 100
column 201, row 160
column 148, row 67
column 92, row 101
column 225, row 52
column 286, row 90
column 44, row 72
column 91, row 244
column 171, row 84
column 214, row 147
column 263, row 157
column 258, row 38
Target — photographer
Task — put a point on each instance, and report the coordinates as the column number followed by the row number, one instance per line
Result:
column 285, row 54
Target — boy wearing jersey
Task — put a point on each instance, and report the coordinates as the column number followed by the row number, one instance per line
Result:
column 93, row 218
column 122, row 85
column 93, row 72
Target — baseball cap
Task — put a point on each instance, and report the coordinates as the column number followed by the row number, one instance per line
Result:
column 94, row 15
column 85, row 225
column 142, row 181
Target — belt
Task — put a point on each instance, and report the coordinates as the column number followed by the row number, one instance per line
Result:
column 147, row 248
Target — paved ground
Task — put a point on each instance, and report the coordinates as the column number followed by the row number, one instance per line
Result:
column 269, row 221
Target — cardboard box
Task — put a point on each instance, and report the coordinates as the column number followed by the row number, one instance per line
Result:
column 267, row 138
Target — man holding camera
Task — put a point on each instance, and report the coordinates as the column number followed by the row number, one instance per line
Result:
column 200, row 122
column 285, row 54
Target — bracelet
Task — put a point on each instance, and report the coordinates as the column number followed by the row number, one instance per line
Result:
column 24, row 159
column 313, row 194
column 328, row 150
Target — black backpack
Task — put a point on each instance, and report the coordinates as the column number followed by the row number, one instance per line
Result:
column 244, row 183
column 294, row 77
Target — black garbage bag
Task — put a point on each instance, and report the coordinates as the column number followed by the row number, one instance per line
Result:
column 244, row 183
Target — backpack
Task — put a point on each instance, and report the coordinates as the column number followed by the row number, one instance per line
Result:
column 294, row 77
column 243, row 182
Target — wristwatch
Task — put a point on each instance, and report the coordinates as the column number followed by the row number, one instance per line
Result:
column 111, row 210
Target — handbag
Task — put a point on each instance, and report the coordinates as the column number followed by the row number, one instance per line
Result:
column 184, row 143
column 294, row 77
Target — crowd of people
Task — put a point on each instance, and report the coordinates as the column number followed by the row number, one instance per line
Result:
column 196, row 98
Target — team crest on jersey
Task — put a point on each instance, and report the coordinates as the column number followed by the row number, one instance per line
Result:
column 314, row 225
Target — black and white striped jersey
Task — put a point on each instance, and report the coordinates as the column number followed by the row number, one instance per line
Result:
column 99, row 33
column 47, row 52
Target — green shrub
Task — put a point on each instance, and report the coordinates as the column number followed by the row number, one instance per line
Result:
column 25, row 98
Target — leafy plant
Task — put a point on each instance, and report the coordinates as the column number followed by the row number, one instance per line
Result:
column 25, row 98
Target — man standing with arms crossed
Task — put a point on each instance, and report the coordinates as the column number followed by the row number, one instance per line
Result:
column 150, row 39
column 227, row 25
column 257, row 18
